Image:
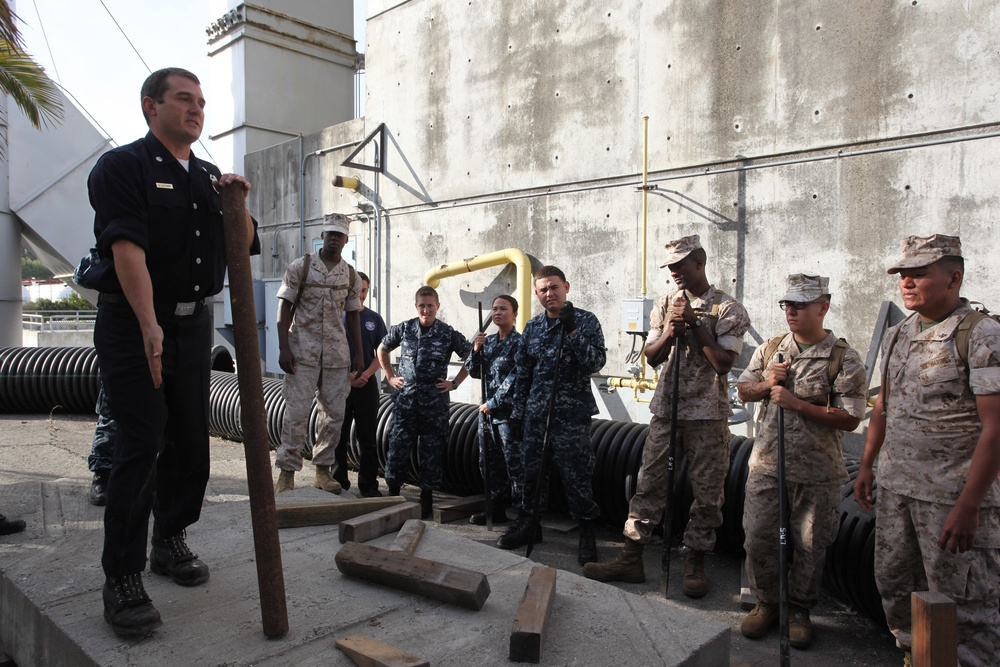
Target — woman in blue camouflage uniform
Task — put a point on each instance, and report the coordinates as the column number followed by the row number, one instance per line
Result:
column 497, row 352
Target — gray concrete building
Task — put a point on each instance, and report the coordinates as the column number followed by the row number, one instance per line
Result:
column 793, row 137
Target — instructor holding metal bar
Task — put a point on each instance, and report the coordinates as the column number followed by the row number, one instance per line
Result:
column 706, row 327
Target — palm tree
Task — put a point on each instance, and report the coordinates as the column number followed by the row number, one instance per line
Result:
column 22, row 78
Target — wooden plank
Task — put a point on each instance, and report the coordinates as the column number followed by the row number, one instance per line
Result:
column 367, row 652
column 408, row 537
column 296, row 515
column 376, row 524
column 935, row 630
column 438, row 581
column 462, row 508
column 532, row 615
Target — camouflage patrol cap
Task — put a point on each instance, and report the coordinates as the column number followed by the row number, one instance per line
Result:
column 805, row 288
column 336, row 222
column 679, row 249
column 925, row 250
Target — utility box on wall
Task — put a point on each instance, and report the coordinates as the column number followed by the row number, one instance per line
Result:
column 635, row 315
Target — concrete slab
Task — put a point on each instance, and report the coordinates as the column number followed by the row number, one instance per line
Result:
column 51, row 606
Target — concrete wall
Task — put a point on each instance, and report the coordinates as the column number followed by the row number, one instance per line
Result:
column 806, row 136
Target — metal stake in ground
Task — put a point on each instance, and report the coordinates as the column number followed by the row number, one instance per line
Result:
column 270, row 580
column 543, row 468
column 668, row 512
column 484, row 430
column 782, row 540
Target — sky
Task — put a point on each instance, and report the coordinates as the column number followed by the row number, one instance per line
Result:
column 81, row 48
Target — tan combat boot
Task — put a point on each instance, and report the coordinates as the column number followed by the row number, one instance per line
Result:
column 800, row 629
column 627, row 567
column 695, row 583
column 761, row 618
column 286, row 481
column 325, row 480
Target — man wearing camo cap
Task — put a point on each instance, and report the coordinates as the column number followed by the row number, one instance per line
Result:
column 710, row 325
column 936, row 423
column 314, row 354
column 820, row 382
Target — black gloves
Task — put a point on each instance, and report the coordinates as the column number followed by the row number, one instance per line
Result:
column 568, row 317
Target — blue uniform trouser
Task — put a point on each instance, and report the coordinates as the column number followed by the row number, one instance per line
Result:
column 427, row 424
column 161, row 458
column 572, row 455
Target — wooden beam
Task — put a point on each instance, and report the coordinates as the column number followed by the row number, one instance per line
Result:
column 532, row 615
column 934, row 630
column 408, row 537
column 462, row 508
column 367, row 652
column 378, row 523
column 296, row 515
column 447, row 583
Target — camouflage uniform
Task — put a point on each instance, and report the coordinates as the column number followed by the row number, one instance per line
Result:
column 932, row 429
column 505, row 457
column 103, row 447
column 572, row 453
column 814, row 469
column 420, row 408
column 318, row 342
column 703, row 431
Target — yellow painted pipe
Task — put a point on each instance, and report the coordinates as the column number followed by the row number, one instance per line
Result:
column 498, row 258
column 348, row 182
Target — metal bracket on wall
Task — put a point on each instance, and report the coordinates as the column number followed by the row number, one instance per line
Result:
column 889, row 315
column 379, row 151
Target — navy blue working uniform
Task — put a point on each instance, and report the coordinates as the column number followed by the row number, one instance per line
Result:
column 141, row 193
column 572, row 454
column 505, row 456
column 420, row 408
column 362, row 408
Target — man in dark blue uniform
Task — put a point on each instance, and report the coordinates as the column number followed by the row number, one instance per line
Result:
column 362, row 403
column 158, row 228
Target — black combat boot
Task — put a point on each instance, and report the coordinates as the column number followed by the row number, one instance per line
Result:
column 171, row 557
column 426, row 503
column 519, row 534
column 127, row 608
column 99, row 488
column 587, row 551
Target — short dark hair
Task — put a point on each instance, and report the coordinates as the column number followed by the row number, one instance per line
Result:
column 953, row 263
column 426, row 290
column 699, row 255
column 364, row 277
column 155, row 84
column 509, row 299
column 549, row 271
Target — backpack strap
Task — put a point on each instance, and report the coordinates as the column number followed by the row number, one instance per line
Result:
column 306, row 262
column 837, row 360
column 964, row 331
column 885, row 367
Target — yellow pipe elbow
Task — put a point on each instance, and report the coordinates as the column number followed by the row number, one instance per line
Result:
column 498, row 258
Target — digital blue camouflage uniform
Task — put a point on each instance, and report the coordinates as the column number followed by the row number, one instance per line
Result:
column 505, row 456
column 572, row 454
column 420, row 408
column 102, row 449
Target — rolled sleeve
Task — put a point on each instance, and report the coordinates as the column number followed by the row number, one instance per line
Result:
column 117, row 196
column 984, row 358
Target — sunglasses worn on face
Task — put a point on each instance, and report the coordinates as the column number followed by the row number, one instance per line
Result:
column 795, row 305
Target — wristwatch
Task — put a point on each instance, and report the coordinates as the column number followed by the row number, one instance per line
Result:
column 454, row 385
column 697, row 324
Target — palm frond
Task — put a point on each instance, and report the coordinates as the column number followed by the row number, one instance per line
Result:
column 9, row 32
column 27, row 84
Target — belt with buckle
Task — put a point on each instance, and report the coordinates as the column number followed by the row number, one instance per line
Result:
column 179, row 309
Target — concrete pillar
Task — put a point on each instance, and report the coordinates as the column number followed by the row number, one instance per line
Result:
column 10, row 248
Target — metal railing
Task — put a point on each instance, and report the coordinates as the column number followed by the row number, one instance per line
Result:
column 58, row 320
